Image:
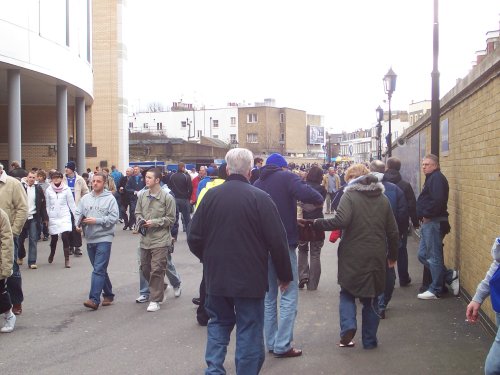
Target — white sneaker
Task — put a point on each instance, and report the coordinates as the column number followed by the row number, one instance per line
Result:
column 177, row 291
column 455, row 283
column 10, row 322
column 427, row 295
column 142, row 299
column 153, row 306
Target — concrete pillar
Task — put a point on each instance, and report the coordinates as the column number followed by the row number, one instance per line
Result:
column 80, row 134
column 62, row 127
column 14, row 115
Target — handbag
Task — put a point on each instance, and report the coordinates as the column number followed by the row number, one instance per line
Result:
column 308, row 233
column 335, row 235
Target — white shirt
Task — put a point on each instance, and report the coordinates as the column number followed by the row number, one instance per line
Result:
column 30, row 190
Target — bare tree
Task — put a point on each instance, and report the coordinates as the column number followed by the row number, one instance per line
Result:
column 155, row 107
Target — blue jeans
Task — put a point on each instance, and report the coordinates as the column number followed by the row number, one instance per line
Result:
column 279, row 333
column 492, row 364
column 390, row 280
column 369, row 316
column 184, row 208
column 14, row 282
column 430, row 254
column 31, row 231
column 99, row 254
column 247, row 314
column 404, row 276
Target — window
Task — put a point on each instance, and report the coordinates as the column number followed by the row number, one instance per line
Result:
column 216, row 136
column 145, row 125
column 251, row 118
column 252, row 138
column 233, row 121
column 130, row 125
column 183, row 124
column 232, row 138
column 282, row 118
column 282, row 137
column 159, row 126
column 215, row 123
column 200, row 133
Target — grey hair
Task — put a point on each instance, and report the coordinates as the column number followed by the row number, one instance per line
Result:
column 377, row 166
column 239, row 161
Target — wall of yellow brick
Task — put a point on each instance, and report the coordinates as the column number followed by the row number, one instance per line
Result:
column 296, row 131
column 472, row 168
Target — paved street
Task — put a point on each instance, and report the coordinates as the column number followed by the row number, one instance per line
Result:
column 56, row 334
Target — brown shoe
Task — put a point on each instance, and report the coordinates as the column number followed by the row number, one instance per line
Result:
column 289, row 354
column 107, row 301
column 17, row 309
column 91, row 304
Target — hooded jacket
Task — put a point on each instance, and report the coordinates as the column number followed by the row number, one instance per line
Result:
column 285, row 189
column 369, row 236
column 104, row 209
column 60, row 206
column 398, row 202
column 394, row 176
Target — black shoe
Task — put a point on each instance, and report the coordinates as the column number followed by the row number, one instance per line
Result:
column 71, row 250
column 404, row 284
column 202, row 320
column 125, row 227
column 45, row 239
column 302, row 283
column 78, row 252
column 381, row 313
column 196, row 301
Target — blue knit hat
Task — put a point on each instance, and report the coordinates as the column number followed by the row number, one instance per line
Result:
column 71, row 165
column 277, row 159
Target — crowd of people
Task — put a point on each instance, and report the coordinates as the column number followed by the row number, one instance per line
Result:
column 246, row 222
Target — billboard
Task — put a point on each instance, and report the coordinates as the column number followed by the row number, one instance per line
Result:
column 315, row 135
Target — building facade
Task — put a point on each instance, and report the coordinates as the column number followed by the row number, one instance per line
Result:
column 61, row 78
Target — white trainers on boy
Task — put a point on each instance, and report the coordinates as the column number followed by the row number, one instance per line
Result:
column 153, row 306
column 10, row 322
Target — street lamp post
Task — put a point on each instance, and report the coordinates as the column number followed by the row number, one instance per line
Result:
column 380, row 117
column 389, row 87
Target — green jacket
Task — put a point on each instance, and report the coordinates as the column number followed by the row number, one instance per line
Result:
column 161, row 210
column 369, row 237
column 6, row 246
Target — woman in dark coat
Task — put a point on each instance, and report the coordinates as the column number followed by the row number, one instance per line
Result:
column 310, row 270
column 368, row 245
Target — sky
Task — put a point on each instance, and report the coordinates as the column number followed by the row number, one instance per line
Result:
column 323, row 56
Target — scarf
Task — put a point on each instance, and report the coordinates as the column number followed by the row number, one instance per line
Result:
column 57, row 189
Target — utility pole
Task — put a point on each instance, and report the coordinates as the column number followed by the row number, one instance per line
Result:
column 435, row 106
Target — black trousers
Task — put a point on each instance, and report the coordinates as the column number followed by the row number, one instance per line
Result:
column 5, row 303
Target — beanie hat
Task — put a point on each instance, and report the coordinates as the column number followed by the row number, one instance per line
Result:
column 71, row 165
column 276, row 159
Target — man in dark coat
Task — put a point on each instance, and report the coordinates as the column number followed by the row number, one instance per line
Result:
column 285, row 188
column 392, row 174
column 432, row 210
column 235, row 229
column 182, row 187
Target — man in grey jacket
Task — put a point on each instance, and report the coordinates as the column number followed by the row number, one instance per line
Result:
column 96, row 216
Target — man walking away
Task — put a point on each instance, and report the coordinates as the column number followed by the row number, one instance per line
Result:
column 234, row 230
column 392, row 175
column 181, row 185
column 285, row 189
column 96, row 216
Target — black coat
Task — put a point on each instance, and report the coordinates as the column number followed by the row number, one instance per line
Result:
column 181, row 185
column 40, row 204
column 233, row 232
column 394, row 176
column 433, row 200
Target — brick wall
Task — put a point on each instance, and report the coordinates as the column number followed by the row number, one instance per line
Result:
column 472, row 167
